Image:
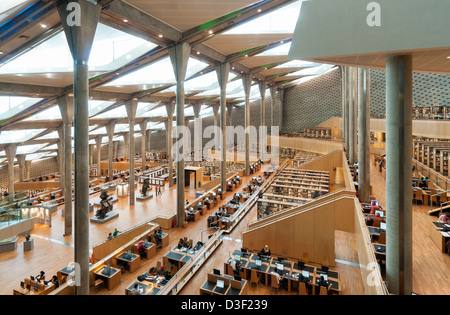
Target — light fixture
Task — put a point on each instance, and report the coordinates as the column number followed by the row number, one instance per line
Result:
column 126, row 21
column 259, row 10
column 246, row 56
column 210, row 31
column 160, row 35
column 1, row 52
column 198, row 53
column 43, row 26
column 447, row 57
column 282, row 41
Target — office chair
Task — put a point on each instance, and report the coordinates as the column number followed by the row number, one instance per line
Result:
column 254, row 278
column 274, row 282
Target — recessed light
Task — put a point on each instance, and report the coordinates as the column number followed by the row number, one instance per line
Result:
column 43, row 26
column 126, row 21
column 447, row 57
column 282, row 41
column 210, row 32
column 246, row 56
column 117, row 73
column 198, row 53
column 160, row 36
column 259, row 10
column 1, row 52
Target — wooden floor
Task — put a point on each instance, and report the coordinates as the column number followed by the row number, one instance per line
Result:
column 431, row 268
column 53, row 251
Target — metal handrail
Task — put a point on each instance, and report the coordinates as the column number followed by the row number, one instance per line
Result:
column 438, row 194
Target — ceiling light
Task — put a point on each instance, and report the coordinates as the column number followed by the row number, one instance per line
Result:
column 1, row 52
column 43, row 26
column 448, row 57
column 210, row 32
column 198, row 53
column 160, row 36
column 126, row 21
column 259, row 10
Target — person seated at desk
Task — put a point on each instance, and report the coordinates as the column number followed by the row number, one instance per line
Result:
column 279, row 278
column 234, row 201
column 229, row 186
column 141, row 248
column 53, row 281
column 199, row 205
column 322, row 283
column 423, row 183
column 189, row 215
column 135, row 290
column 446, row 219
column 198, row 246
column 157, row 236
column 180, row 243
column 307, row 283
column 265, row 251
column 40, row 277
column 376, row 217
column 373, row 207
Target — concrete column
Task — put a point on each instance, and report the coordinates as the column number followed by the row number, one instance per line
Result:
column 217, row 125
column 223, row 71
column 230, row 135
column 27, row 169
column 198, row 133
column 80, row 40
column 399, row 78
column 98, row 144
column 131, row 107
column 262, row 90
column 230, row 115
column 347, row 108
column 21, row 161
column 10, row 151
column 143, row 126
column 115, row 149
column 352, row 120
column 355, row 116
column 61, row 158
column 66, row 107
column 187, row 143
column 126, row 141
column 179, row 55
column 148, row 138
column 273, row 94
column 91, row 155
column 169, row 131
column 364, row 136
column 247, row 83
column 110, row 134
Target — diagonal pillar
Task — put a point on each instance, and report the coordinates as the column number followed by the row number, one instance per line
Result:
column 273, row 94
column 179, row 55
column 247, row 83
column 10, row 151
column 223, row 70
column 281, row 96
column 131, row 107
column 110, row 133
column 91, row 155
column 399, row 100
column 126, row 141
column 148, row 140
column 170, row 107
column 21, row 161
column 80, row 39
column 66, row 108
column 216, row 124
column 115, row 149
column 61, row 158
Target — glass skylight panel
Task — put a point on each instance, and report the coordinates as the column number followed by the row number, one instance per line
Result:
column 52, row 147
column 28, row 149
column 282, row 50
column 96, row 106
column 6, row 6
column 313, row 70
column 159, row 72
column 99, row 131
column 12, row 105
column 157, row 112
column 17, row 136
column 36, row 156
column 111, row 49
column 144, row 107
column 46, row 114
column 298, row 64
column 279, row 21
column 118, row 112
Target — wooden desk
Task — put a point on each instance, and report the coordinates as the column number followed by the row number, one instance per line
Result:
column 231, row 286
column 439, row 237
column 150, row 250
column 41, row 289
column 179, row 259
column 131, row 264
column 112, row 280
column 144, row 288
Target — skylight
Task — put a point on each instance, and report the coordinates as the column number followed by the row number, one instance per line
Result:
column 298, row 64
column 50, row 113
column 282, row 50
column 17, row 136
column 279, row 21
column 9, row 5
column 12, row 105
column 111, row 50
column 118, row 112
column 313, row 70
column 28, row 149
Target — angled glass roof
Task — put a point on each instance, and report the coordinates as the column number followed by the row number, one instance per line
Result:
column 99, row 131
column 313, row 70
column 157, row 112
column 282, row 50
column 144, row 107
column 298, row 64
column 96, row 106
column 12, row 105
column 118, row 112
column 111, row 50
column 28, row 149
column 17, row 136
column 160, row 72
column 6, row 6
column 47, row 114
column 37, row 156
column 282, row 20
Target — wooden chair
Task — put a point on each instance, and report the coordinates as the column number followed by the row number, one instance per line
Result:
column 323, row 291
column 419, row 196
column 98, row 282
column 302, row 288
column 376, row 223
column 274, row 282
column 382, row 238
column 254, row 278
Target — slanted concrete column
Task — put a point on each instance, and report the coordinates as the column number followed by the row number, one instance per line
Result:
column 91, row 155
column 21, row 161
column 179, row 55
column 143, row 126
column 27, row 169
column 348, row 98
column 198, row 133
column 66, row 107
column 247, row 83
column 80, row 40
column 353, row 124
column 281, row 96
column 115, row 149
column 131, row 107
column 399, row 99
column 10, row 151
column 170, row 107
column 262, row 147
column 363, row 135
column 98, row 144
column 61, row 158
column 223, row 71
column 110, row 133
column 344, row 76
column 148, row 140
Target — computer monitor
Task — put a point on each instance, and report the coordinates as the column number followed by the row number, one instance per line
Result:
column 216, row 272
column 280, row 259
column 258, row 263
column 280, row 267
column 32, row 278
column 325, row 277
column 220, row 284
column 301, row 264
column 28, row 287
column 129, row 253
column 305, row 273
column 237, row 257
column 238, row 278
column 243, row 250
column 374, row 201
column 379, row 213
column 383, row 226
column 325, row 269
column 22, row 284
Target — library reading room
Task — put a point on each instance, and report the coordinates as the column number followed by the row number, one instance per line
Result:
column 224, row 148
